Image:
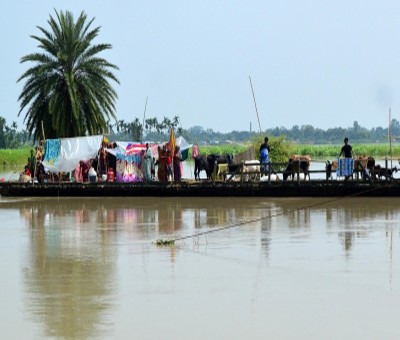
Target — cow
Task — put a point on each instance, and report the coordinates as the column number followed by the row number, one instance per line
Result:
column 364, row 165
column 330, row 168
column 379, row 172
column 215, row 160
column 297, row 164
column 251, row 169
column 201, row 163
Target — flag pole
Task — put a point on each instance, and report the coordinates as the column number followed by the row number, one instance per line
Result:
column 390, row 137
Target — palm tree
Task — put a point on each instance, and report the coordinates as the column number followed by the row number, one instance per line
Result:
column 68, row 87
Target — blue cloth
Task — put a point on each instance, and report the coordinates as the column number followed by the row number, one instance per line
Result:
column 52, row 152
column 264, row 159
column 345, row 167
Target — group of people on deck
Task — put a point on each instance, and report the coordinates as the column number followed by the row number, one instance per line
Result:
column 345, row 165
column 34, row 167
column 169, row 167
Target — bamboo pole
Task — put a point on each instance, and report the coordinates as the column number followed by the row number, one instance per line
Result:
column 390, row 137
column 255, row 105
column 44, row 137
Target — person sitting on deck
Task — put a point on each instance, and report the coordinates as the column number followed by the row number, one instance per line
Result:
column 27, row 171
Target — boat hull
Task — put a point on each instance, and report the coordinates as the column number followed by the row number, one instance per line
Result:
column 205, row 188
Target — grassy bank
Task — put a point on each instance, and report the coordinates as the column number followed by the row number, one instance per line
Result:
column 12, row 158
column 329, row 151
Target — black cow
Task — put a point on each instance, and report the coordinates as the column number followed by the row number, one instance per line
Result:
column 380, row 172
column 200, row 164
column 214, row 160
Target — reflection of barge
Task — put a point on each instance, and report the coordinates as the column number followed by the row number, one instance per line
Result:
column 312, row 188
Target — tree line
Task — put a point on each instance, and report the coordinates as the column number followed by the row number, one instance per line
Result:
column 156, row 130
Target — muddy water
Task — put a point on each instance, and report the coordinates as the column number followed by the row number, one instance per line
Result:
column 84, row 268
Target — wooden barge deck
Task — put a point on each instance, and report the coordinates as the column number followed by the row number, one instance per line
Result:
column 312, row 188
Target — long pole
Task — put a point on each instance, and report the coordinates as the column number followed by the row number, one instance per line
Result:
column 255, row 104
column 144, row 116
column 390, row 137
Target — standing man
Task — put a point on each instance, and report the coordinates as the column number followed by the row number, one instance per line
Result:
column 346, row 165
column 347, row 149
column 264, row 155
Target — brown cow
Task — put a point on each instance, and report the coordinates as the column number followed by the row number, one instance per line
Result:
column 364, row 166
column 298, row 164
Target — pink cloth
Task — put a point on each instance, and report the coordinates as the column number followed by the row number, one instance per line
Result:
column 78, row 174
column 195, row 151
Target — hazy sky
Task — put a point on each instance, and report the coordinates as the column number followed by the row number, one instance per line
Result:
column 325, row 63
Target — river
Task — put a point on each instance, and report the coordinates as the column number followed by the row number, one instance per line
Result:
column 301, row 268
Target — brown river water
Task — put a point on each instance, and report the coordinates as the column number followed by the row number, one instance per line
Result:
column 300, row 268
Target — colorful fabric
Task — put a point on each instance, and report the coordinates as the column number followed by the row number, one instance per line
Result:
column 134, row 148
column 172, row 142
column 345, row 167
column 52, row 151
column 128, row 168
column 184, row 154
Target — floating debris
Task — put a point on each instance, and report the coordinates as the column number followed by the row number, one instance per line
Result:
column 161, row 242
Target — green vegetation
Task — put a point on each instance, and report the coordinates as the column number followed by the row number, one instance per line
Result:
column 281, row 150
column 11, row 158
column 221, row 149
column 67, row 90
column 326, row 151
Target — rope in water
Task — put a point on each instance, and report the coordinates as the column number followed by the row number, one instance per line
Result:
column 259, row 219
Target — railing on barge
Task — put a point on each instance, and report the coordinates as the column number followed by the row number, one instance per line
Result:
column 237, row 172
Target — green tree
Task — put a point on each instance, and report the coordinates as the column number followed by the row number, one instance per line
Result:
column 68, row 86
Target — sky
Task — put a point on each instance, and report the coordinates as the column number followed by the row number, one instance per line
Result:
column 324, row 63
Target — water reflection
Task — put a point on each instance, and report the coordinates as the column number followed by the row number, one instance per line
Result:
column 68, row 277
column 71, row 273
column 146, row 218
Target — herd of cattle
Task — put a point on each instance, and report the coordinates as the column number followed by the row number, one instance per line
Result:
column 297, row 167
